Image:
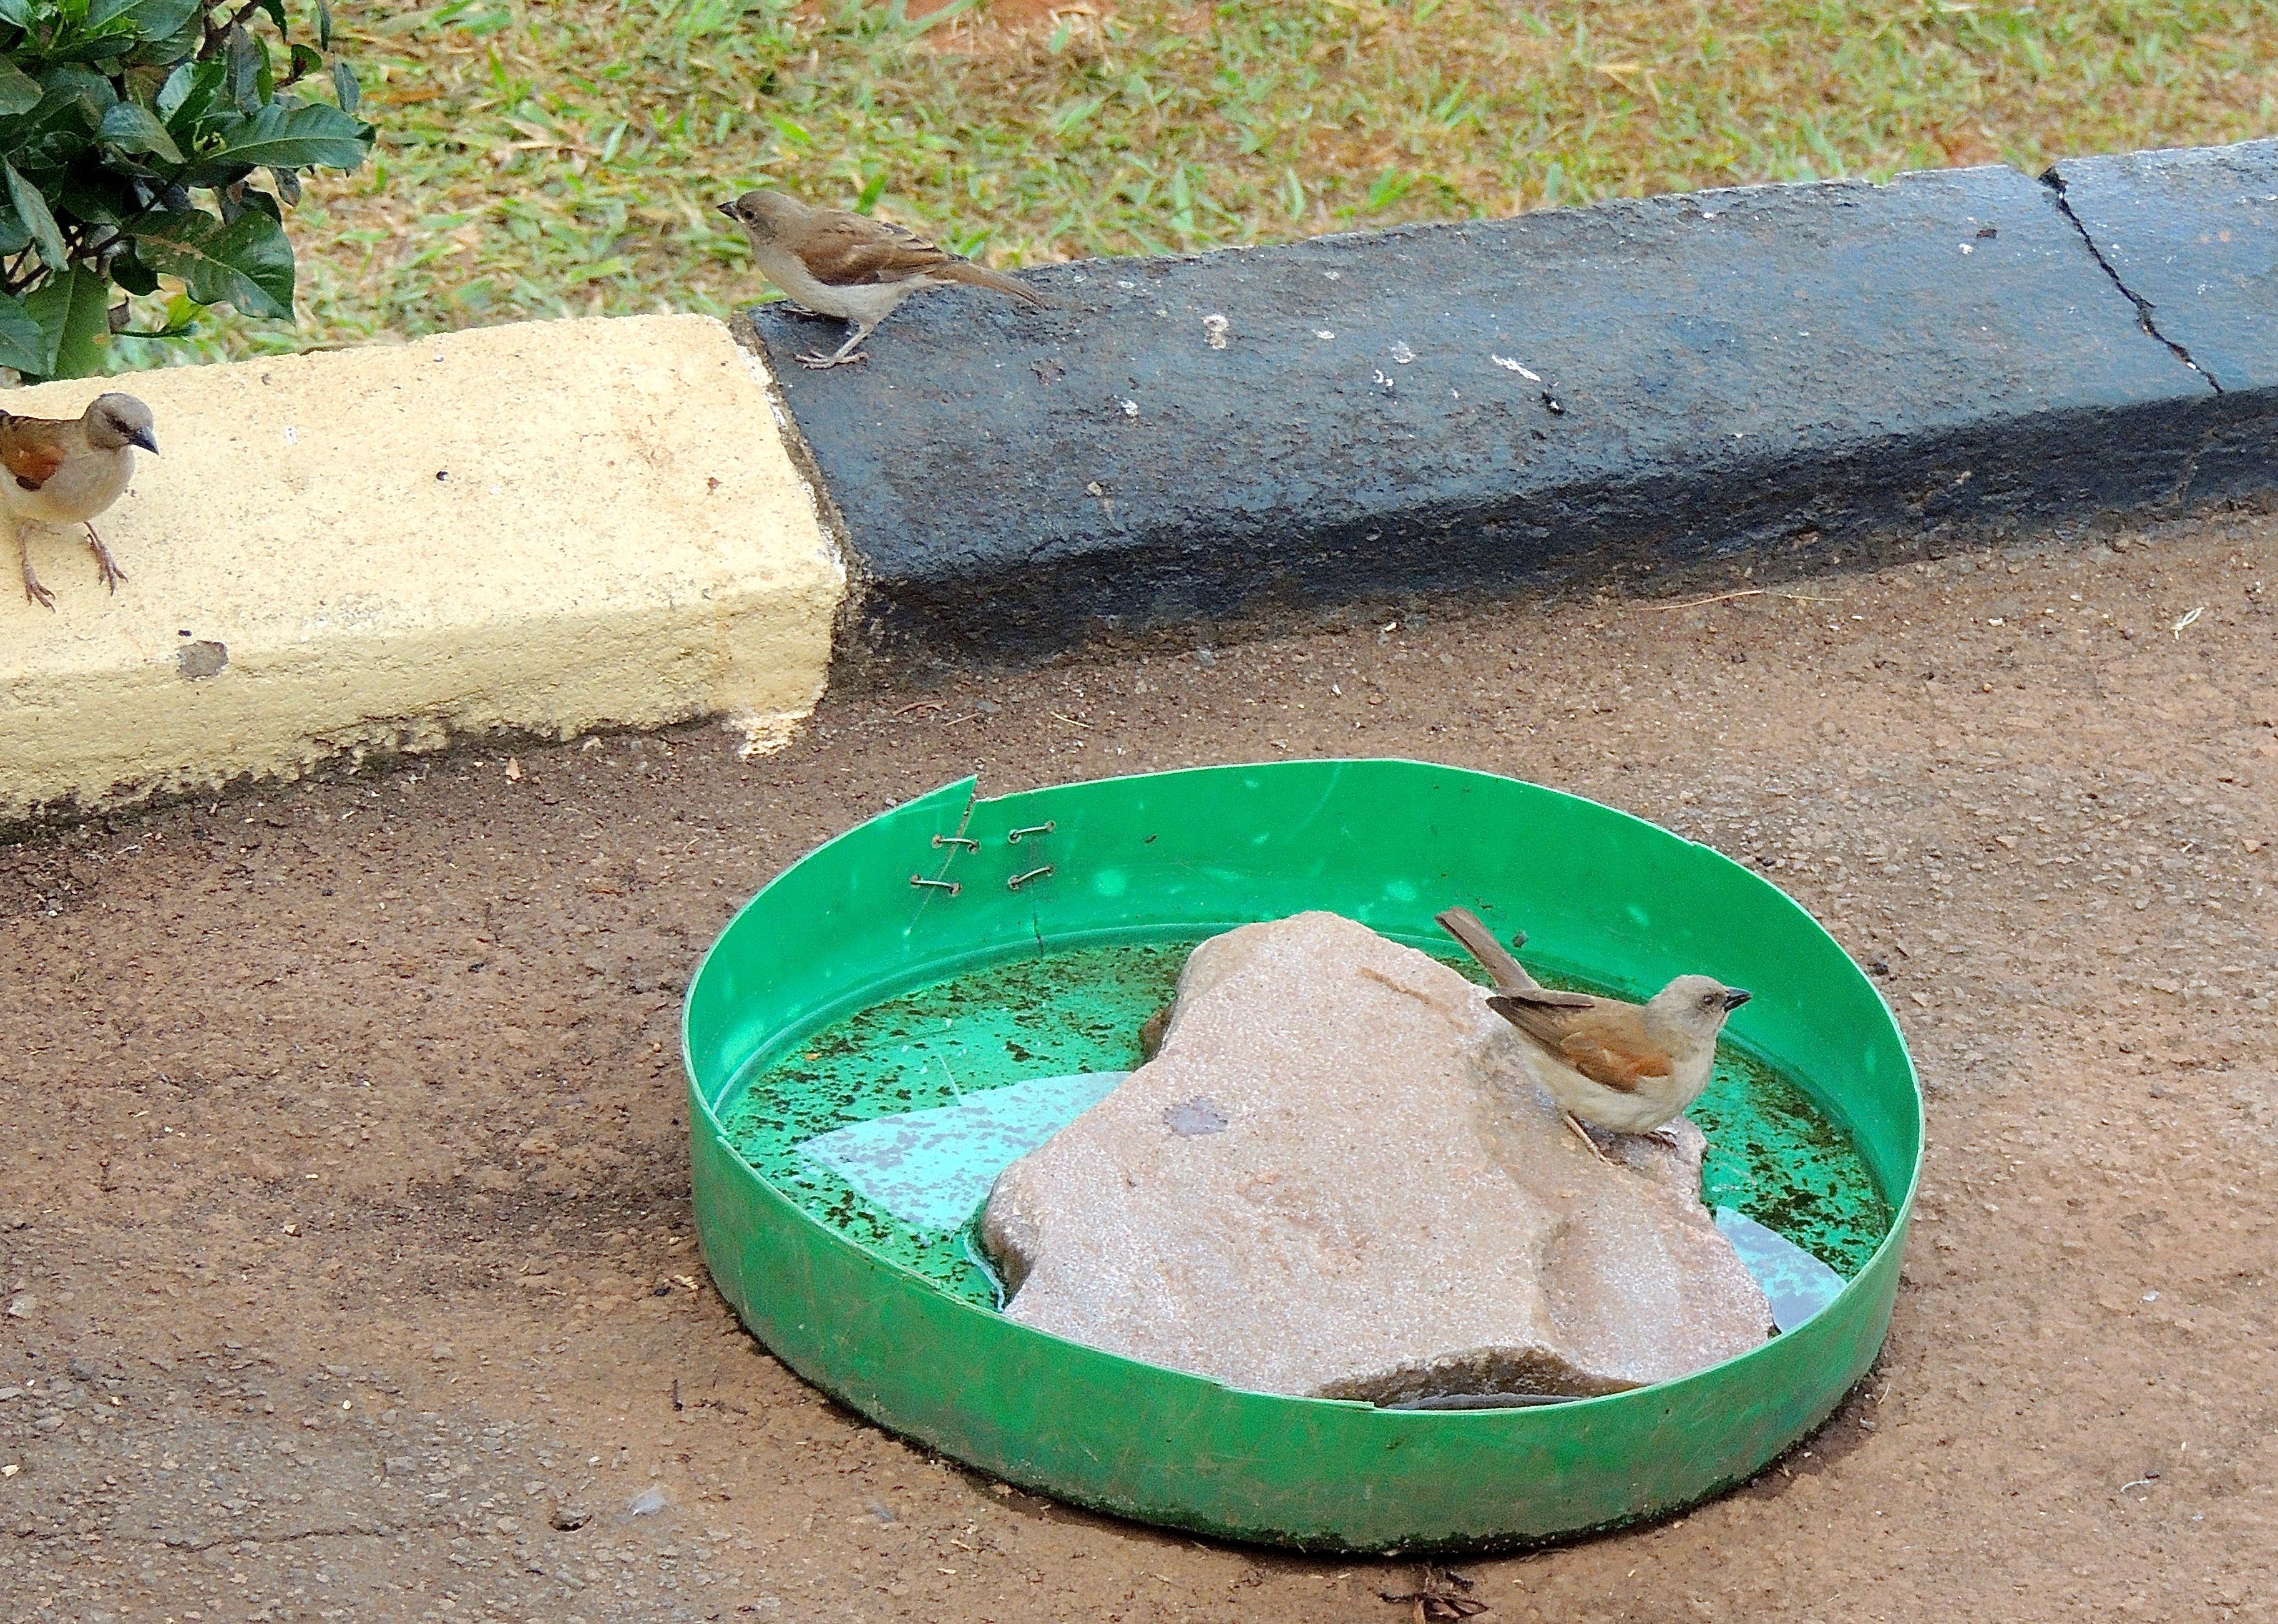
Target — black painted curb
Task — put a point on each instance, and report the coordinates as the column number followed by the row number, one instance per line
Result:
column 1636, row 384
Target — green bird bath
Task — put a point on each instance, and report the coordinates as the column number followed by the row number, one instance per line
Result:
column 924, row 997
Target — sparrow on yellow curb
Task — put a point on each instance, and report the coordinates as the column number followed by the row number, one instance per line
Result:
column 67, row 470
column 849, row 266
column 1630, row 1067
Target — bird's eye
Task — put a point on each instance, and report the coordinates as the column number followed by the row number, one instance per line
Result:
column 1709, row 1000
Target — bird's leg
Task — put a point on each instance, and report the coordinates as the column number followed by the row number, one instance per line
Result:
column 33, row 590
column 1583, row 1134
column 110, row 571
column 844, row 355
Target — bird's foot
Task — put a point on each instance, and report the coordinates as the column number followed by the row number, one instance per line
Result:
column 107, row 568
column 1583, row 1134
column 817, row 361
column 33, row 592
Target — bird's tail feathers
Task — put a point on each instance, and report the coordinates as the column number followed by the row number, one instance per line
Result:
column 1469, row 929
column 982, row 276
column 1509, row 1004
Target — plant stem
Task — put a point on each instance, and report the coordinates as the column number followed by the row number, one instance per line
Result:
column 217, row 33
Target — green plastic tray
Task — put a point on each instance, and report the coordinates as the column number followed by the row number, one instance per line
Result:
column 1387, row 843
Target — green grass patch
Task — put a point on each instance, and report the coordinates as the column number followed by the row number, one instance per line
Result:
column 550, row 159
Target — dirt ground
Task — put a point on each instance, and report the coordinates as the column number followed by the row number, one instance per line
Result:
column 344, row 1226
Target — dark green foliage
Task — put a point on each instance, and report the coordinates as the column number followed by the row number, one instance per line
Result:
column 130, row 131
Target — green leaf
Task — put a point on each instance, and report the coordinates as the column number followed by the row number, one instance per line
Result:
column 77, row 85
column 237, row 198
column 52, row 134
column 17, row 12
column 301, row 137
column 132, row 274
column 15, row 236
column 75, row 41
column 149, row 19
column 74, row 313
column 133, row 127
column 246, row 57
column 94, row 192
column 20, row 92
column 22, row 345
column 182, row 45
column 176, row 90
column 248, row 262
column 32, row 209
column 323, row 25
column 344, row 87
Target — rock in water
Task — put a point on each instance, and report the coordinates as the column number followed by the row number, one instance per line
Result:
column 1337, row 1179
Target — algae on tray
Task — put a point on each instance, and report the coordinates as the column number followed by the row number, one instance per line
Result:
column 1773, row 1155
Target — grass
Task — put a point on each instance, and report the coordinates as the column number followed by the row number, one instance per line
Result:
column 548, row 157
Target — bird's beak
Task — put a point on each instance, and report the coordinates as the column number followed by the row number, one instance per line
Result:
column 145, row 438
column 728, row 209
column 1734, row 997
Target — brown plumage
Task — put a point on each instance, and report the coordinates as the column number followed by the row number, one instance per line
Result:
column 1604, row 1041
column 852, row 250
column 68, row 470
column 31, row 448
column 849, row 265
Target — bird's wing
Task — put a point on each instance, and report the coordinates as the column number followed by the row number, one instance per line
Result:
column 1603, row 1038
column 851, row 250
column 30, row 449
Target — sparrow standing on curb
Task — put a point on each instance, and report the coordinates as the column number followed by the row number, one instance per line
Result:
column 1626, row 1067
column 65, row 471
column 849, row 266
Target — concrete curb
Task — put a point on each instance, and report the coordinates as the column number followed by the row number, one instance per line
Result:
column 1624, row 387
column 543, row 528
column 554, row 527
column 2191, row 237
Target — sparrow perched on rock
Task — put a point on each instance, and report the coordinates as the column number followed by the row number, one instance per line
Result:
column 65, row 472
column 849, row 265
column 1626, row 1067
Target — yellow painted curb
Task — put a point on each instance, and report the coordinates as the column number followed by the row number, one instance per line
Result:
column 551, row 527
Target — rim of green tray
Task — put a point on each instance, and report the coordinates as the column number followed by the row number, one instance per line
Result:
column 1390, row 843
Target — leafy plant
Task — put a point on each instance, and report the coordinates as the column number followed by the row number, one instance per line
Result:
column 118, row 120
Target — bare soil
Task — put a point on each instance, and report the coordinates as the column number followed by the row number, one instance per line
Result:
column 344, row 1225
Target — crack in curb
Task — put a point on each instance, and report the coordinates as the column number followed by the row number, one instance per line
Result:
column 2052, row 179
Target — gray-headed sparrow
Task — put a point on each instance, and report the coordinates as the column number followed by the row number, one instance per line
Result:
column 1626, row 1067
column 849, row 265
column 65, row 472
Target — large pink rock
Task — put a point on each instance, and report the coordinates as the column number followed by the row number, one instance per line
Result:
column 1336, row 1178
